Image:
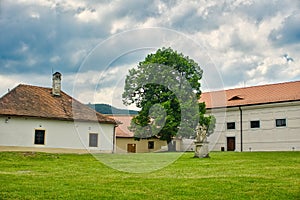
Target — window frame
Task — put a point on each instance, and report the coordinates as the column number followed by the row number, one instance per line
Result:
column 93, row 142
column 36, row 140
column 228, row 128
column 277, row 125
column 253, row 121
column 150, row 144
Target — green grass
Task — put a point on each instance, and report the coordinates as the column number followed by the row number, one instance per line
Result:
column 226, row 175
column 138, row 163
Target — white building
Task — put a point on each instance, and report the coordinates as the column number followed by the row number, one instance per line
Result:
column 35, row 118
column 259, row 118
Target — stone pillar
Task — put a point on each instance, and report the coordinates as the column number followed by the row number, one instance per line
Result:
column 201, row 150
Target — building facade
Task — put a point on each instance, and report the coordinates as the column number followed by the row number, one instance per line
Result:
column 126, row 143
column 260, row 118
column 35, row 118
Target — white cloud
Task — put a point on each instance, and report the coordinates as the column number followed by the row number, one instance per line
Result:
column 7, row 83
column 35, row 2
column 112, row 96
column 87, row 16
column 244, row 39
column 274, row 67
column 77, row 56
column 120, row 24
column 11, row 81
column 35, row 15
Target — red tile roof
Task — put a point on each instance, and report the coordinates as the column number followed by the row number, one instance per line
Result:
column 263, row 94
column 122, row 129
column 34, row 101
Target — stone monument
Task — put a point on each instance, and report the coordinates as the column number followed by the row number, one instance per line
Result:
column 201, row 144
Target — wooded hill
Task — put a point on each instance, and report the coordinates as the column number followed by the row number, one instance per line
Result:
column 109, row 110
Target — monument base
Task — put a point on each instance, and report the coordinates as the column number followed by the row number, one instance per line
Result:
column 201, row 150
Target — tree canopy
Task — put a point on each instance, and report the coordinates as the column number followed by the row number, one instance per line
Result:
column 166, row 86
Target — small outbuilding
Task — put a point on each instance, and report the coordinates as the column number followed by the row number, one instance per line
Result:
column 126, row 143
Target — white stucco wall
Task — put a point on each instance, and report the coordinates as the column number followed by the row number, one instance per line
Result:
column 185, row 144
column 20, row 131
column 266, row 138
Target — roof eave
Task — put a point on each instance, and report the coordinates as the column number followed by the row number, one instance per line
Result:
column 253, row 104
column 58, row 118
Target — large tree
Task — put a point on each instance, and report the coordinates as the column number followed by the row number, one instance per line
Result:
column 166, row 86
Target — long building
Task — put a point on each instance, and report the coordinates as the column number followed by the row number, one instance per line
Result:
column 258, row 118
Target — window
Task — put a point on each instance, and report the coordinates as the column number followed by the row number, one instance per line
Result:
column 255, row 124
column 230, row 125
column 280, row 122
column 39, row 137
column 93, row 140
column 151, row 145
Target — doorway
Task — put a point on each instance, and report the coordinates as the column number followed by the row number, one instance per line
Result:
column 131, row 148
column 230, row 143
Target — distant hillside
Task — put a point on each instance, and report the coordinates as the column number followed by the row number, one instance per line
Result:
column 108, row 109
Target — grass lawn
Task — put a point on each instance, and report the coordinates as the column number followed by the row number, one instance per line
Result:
column 226, row 175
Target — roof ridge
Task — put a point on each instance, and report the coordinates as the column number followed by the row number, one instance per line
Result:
column 254, row 86
column 254, row 95
column 22, row 84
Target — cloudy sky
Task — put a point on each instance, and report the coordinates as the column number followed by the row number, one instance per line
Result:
column 94, row 43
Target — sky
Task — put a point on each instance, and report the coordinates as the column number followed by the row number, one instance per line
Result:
column 93, row 44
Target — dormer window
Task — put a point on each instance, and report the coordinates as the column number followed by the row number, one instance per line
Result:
column 237, row 97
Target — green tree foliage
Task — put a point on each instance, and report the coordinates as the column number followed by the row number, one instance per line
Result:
column 166, row 86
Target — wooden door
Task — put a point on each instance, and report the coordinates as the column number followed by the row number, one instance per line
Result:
column 131, row 148
column 230, row 143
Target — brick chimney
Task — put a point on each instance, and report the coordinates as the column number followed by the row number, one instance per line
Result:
column 56, row 84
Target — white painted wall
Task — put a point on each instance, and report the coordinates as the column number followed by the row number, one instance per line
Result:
column 266, row 138
column 185, row 144
column 20, row 131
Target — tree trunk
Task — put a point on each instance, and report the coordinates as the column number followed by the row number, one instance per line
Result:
column 171, row 145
